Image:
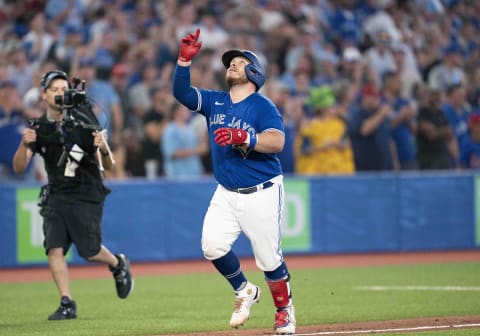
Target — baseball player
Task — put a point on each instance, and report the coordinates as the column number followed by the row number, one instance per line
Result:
column 246, row 132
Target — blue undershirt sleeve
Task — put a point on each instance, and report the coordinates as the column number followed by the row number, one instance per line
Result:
column 182, row 89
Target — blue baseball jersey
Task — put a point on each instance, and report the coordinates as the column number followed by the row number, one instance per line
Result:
column 255, row 114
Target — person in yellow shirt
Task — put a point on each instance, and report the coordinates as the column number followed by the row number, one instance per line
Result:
column 322, row 145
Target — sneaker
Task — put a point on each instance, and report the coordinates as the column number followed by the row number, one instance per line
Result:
column 65, row 312
column 122, row 276
column 285, row 321
column 245, row 298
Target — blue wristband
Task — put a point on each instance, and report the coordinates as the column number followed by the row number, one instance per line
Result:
column 253, row 141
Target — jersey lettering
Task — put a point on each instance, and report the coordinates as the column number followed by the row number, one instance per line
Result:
column 246, row 126
column 217, row 119
column 235, row 123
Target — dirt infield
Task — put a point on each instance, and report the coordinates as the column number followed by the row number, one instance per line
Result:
column 201, row 266
column 367, row 328
column 294, row 262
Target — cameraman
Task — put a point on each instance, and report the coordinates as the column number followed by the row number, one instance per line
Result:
column 72, row 201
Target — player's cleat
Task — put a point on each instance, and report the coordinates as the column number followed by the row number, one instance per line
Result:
column 122, row 276
column 244, row 299
column 285, row 321
column 65, row 311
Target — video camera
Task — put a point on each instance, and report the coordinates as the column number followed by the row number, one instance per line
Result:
column 79, row 120
column 72, row 97
column 76, row 107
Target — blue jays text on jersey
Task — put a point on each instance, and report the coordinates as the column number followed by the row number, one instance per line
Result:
column 219, row 119
column 254, row 114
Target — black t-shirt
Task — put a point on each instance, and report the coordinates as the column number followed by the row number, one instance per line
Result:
column 438, row 119
column 53, row 139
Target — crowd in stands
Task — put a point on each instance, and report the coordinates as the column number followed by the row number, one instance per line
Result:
column 362, row 85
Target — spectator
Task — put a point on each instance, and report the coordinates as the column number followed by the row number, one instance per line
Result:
column 352, row 76
column 271, row 16
column 64, row 49
column 65, row 13
column 154, row 122
column 305, row 67
column 328, row 70
column 369, row 129
column 20, row 70
column 105, row 54
column 297, row 13
column 409, row 78
column 382, row 20
column 119, row 79
column 308, row 44
column 165, row 46
column 186, row 15
column 37, row 41
column 352, row 67
column 322, row 146
column 198, row 122
column 147, row 159
column 470, row 150
column 457, row 111
column 379, row 57
column 345, row 21
column 403, row 122
column 291, row 109
column 181, row 145
column 139, row 94
column 474, row 90
column 12, row 124
column 437, row 144
column 213, row 34
column 449, row 72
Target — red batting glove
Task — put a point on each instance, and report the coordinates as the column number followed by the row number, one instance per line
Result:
column 189, row 46
column 230, row 136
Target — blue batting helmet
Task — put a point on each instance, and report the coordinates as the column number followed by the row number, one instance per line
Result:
column 255, row 71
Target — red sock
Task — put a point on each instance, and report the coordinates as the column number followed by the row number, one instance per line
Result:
column 281, row 294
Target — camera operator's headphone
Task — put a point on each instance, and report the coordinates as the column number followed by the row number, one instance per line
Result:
column 48, row 77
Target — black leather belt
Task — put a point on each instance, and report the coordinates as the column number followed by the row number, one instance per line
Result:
column 253, row 189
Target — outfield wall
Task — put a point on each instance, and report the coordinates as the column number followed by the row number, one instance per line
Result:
column 162, row 220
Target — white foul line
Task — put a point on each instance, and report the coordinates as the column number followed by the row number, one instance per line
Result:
column 375, row 331
column 419, row 288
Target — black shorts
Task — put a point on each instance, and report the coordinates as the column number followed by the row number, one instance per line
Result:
column 67, row 221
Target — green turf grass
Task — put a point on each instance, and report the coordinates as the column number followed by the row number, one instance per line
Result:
column 204, row 302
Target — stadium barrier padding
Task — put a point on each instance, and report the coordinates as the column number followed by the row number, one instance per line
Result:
column 162, row 220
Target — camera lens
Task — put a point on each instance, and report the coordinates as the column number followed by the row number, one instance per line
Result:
column 58, row 100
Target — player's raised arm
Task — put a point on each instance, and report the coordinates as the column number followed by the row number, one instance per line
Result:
column 182, row 89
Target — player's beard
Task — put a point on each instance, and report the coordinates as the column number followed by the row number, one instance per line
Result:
column 232, row 81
